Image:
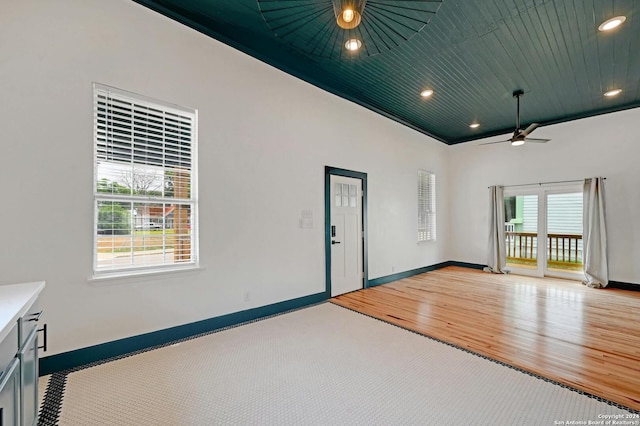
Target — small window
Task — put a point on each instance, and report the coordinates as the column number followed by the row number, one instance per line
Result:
column 426, row 206
column 144, row 183
column 346, row 195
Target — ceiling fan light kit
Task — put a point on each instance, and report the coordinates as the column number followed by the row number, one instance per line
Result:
column 520, row 136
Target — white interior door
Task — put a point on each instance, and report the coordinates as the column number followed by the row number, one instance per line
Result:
column 346, row 235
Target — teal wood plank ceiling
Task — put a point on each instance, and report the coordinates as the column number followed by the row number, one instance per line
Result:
column 310, row 25
column 472, row 53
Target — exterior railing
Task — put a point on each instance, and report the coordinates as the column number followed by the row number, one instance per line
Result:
column 562, row 248
column 565, row 248
column 522, row 245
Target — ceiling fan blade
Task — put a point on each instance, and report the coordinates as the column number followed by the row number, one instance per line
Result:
column 491, row 143
column 537, row 140
column 529, row 129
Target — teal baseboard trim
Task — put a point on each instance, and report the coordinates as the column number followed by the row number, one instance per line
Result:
column 467, row 265
column 406, row 274
column 623, row 285
column 103, row 351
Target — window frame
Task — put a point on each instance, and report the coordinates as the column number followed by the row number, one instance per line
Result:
column 426, row 229
column 192, row 201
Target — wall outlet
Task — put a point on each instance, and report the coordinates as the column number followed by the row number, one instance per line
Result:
column 247, row 296
column 393, row 269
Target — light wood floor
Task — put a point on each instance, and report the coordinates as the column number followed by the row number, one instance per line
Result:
column 586, row 338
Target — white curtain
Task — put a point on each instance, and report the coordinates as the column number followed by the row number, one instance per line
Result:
column 497, row 259
column 594, row 234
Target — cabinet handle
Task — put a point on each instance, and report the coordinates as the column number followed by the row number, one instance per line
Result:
column 36, row 315
column 44, row 338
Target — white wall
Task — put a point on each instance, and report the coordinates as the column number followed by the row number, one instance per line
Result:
column 606, row 145
column 264, row 139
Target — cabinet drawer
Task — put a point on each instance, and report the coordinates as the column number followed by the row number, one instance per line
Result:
column 9, row 347
column 29, row 322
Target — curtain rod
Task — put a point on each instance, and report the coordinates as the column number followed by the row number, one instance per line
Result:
column 546, row 183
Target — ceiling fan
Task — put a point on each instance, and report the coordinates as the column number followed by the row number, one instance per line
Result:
column 520, row 136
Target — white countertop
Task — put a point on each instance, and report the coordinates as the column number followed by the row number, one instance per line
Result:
column 15, row 299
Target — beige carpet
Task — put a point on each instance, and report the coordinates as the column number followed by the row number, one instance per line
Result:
column 323, row 365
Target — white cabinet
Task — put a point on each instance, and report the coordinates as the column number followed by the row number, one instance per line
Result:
column 10, row 394
column 19, row 354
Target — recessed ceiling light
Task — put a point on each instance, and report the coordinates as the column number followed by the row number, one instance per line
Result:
column 612, row 23
column 426, row 93
column 474, row 125
column 613, row 92
column 353, row 44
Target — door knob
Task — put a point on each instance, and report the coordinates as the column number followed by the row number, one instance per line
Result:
column 335, row 242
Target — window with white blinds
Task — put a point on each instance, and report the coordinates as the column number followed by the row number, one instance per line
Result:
column 426, row 206
column 144, row 184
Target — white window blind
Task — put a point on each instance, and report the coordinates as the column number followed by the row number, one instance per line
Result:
column 426, row 206
column 144, row 185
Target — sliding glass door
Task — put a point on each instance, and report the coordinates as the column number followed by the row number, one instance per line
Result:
column 543, row 230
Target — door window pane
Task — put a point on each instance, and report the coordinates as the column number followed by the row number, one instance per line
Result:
column 521, row 230
column 564, row 232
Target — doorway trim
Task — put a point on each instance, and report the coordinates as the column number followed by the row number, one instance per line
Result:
column 328, row 172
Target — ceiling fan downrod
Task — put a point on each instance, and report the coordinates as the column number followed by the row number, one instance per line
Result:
column 517, row 94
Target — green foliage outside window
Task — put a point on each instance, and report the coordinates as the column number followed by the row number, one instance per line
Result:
column 113, row 219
